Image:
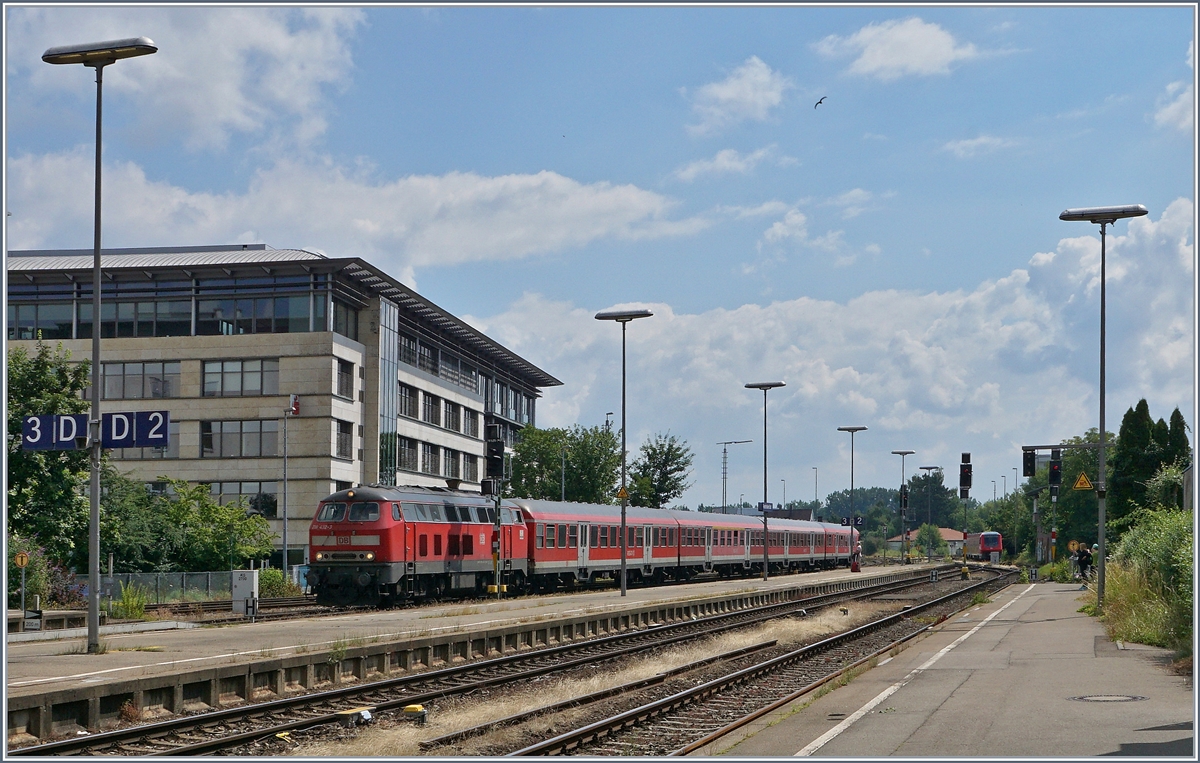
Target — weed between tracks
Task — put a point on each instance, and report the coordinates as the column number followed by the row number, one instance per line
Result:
column 396, row 737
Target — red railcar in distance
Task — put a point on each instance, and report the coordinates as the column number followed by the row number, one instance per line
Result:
column 983, row 545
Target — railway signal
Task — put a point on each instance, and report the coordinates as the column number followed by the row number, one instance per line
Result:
column 1029, row 463
column 964, row 477
column 1055, row 468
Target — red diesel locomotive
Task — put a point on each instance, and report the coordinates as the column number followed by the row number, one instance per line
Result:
column 372, row 544
column 982, row 545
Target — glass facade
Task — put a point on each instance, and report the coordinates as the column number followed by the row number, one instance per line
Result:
column 389, row 392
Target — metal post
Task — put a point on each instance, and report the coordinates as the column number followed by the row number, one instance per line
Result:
column 766, row 554
column 563, row 453
column 93, row 646
column 1101, row 488
column 286, row 413
column 624, row 492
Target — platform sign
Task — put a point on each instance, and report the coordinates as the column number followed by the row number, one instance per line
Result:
column 54, row 432
column 144, row 429
column 764, row 506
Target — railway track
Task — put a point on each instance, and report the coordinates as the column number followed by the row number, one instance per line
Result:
column 229, row 729
column 688, row 720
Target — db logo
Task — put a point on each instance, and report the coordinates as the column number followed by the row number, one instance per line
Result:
column 343, row 540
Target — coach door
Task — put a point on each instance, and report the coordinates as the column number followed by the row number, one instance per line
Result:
column 708, row 536
column 583, row 546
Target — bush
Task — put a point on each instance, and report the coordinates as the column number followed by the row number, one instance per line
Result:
column 870, row 545
column 132, row 604
column 1148, row 581
column 271, row 584
column 1059, row 572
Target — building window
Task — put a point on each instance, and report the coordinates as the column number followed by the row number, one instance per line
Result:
column 171, row 451
column 427, row 358
column 135, row 381
column 345, row 320
column 470, row 423
column 49, row 321
column 408, row 454
column 260, row 497
column 431, row 409
column 470, row 471
column 449, row 463
column 408, row 350
column 345, row 379
column 235, row 378
column 408, row 401
column 452, row 416
column 239, row 439
column 345, row 440
column 429, row 458
column 263, row 315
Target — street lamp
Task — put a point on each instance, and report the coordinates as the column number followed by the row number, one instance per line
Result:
column 97, row 55
column 784, row 492
column 1102, row 216
column 816, row 500
column 851, row 430
column 1004, row 477
column 765, row 386
column 623, row 317
column 725, row 471
column 903, row 513
column 993, row 490
column 929, row 504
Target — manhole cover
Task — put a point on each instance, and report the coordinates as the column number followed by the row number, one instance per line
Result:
column 1108, row 698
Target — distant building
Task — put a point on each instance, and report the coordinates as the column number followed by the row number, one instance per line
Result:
column 393, row 389
column 953, row 538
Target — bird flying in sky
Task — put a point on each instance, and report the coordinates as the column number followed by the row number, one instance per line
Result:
column 818, row 103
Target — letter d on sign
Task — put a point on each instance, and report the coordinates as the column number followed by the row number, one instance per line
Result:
column 118, row 430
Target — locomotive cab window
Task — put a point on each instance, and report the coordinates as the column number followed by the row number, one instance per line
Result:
column 332, row 512
column 362, row 511
column 397, row 516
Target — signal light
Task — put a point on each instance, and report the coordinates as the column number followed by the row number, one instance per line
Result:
column 1029, row 463
column 904, row 496
column 495, row 458
column 1055, row 468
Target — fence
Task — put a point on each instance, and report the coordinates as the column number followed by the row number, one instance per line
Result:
column 164, row 587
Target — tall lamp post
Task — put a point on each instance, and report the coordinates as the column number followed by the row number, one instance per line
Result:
column 623, row 317
column 929, row 502
column 815, row 499
column 1102, row 216
column 765, row 386
column 903, row 513
column 851, row 430
column 784, row 492
column 725, row 471
column 97, row 55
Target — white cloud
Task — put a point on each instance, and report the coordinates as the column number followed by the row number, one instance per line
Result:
column 219, row 71
column 984, row 370
column 403, row 223
column 749, row 92
column 892, row 49
column 727, row 161
column 984, row 144
column 766, row 208
column 853, row 202
column 1177, row 106
column 794, row 225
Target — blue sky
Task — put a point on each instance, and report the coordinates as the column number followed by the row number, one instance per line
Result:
column 894, row 255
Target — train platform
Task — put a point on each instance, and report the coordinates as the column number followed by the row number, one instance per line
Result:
column 54, row 685
column 1026, row 675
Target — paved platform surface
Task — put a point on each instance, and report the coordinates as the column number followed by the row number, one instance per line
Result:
column 1025, row 675
column 34, row 667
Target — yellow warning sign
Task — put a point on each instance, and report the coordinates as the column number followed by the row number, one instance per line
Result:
column 1073, row 545
column 1082, row 483
column 21, row 559
column 622, row 493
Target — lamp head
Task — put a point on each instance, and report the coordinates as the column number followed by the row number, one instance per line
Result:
column 927, row 468
column 100, row 53
column 1103, row 214
column 851, row 429
column 765, row 385
column 903, row 452
column 622, row 316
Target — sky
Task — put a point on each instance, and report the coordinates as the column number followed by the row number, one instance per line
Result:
column 861, row 202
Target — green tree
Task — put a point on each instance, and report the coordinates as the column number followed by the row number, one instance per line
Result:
column 1135, row 458
column 47, row 489
column 212, row 536
column 537, row 463
column 593, row 464
column 930, row 538
column 1179, row 451
column 660, row 471
column 133, row 528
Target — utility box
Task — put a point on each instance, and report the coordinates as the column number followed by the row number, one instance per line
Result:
column 245, row 592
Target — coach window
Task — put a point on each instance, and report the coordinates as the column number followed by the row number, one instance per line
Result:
column 639, row 537
column 562, row 536
column 572, row 536
column 550, row 535
column 541, row 533
column 594, row 537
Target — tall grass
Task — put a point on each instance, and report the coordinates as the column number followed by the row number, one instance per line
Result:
column 1148, row 582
